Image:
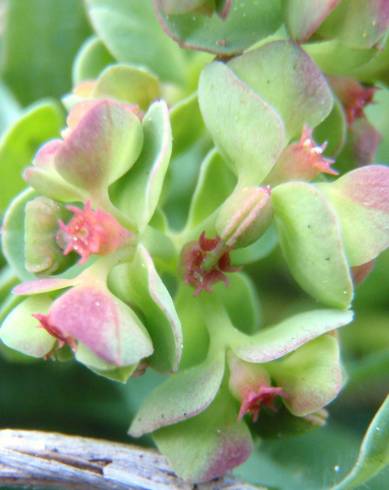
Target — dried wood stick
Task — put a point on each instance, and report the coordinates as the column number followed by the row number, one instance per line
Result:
column 50, row 460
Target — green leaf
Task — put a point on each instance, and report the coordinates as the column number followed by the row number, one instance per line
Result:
column 247, row 131
column 333, row 130
column 10, row 109
column 361, row 201
column 12, row 236
column 357, row 23
column 313, row 248
column 91, row 60
column 21, row 331
column 335, row 58
column 209, row 445
column 374, row 452
column 37, row 124
column 131, row 33
column 311, row 376
column 191, row 143
column 258, row 250
column 207, row 197
column 102, row 368
column 179, row 6
column 285, row 337
column 182, row 396
column 129, row 84
column 303, row 17
column 141, row 188
column 284, row 76
column 241, row 301
column 39, row 45
column 140, row 284
column 247, row 23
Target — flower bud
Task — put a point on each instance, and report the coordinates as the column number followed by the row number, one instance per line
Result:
column 244, row 216
column 250, row 384
column 302, row 160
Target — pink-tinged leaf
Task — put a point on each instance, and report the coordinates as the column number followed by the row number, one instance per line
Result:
column 106, row 325
column 312, row 243
column 311, row 377
column 21, row 331
column 182, row 396
column 103, row 145
column 284, row 76
column 287, row 336
column 44, row 178
column 303, row 17
column 208, row 445
column 223, row 8
column 361, row 199
column 360, row 272
column 44, row 285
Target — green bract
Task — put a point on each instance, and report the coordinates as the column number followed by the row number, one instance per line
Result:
column 190, row 200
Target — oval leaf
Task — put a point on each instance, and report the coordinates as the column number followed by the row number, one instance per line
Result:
column 247, row 130
column 313, row 247
column 361, row 199
column 286, row 77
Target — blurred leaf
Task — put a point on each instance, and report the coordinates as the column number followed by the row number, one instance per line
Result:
column 258, row 250
column 333, row 130
column 22, row 332
column 19, row 143
column 131, row 33
column 357, row 23
column 129, row 84
column 374, row 452
column 303, row 17
column 39, row 45
column 246, row 23
column 10, row 109
column 12, row 236
column 313, row 247
column 90, row 61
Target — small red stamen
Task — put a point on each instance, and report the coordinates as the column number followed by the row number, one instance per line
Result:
column 314, row 153
column 91, row 232
column 55, row 332
column 254, row 400
column 199, row 275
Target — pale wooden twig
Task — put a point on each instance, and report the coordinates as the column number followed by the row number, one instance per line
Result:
column 50, row 460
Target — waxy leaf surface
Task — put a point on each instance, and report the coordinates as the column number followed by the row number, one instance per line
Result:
column 287, row 336
column 209, row 445
column 285, row 76
column 245, row 24
column 22, row 332
column 311, row 376
column 182, row 396
column 312, row 243
column 245, row 128
column 361, row 200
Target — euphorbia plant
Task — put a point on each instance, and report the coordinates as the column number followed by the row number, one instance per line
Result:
column 173, row 174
